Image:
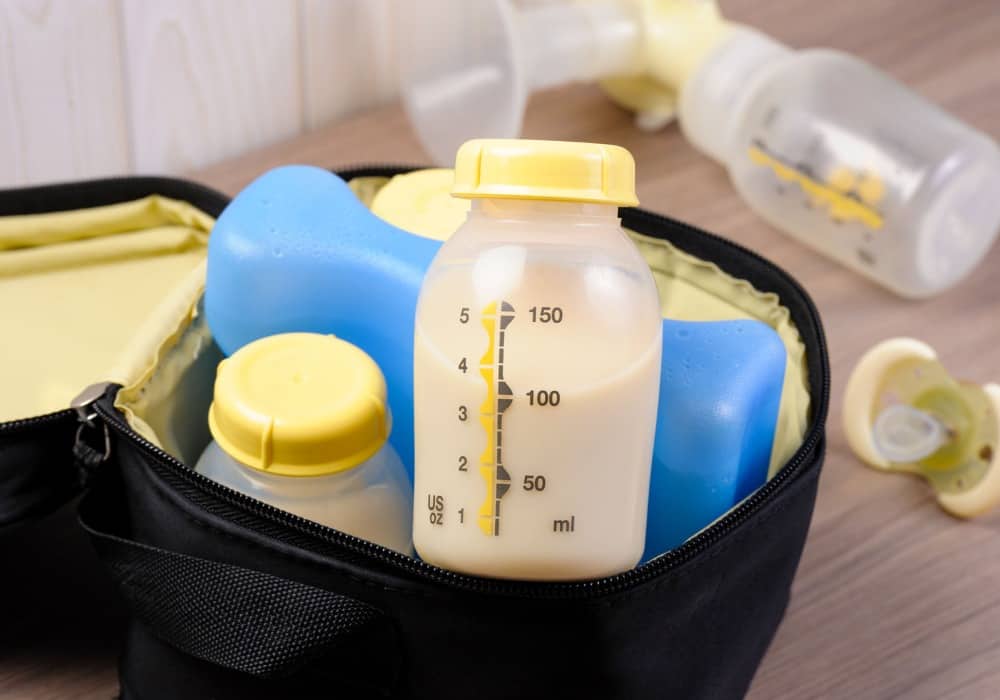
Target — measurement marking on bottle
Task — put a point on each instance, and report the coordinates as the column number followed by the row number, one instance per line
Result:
column 499, row 397
column 564, row 525
column 435, row 504
column 546, row 314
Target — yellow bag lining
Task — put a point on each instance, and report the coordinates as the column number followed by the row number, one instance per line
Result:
column 76, row 287
column 117, row 299
column 167, row 402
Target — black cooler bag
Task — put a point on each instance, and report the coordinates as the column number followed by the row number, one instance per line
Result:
column 232, row 598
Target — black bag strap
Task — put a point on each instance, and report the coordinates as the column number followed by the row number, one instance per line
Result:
column 242, row 619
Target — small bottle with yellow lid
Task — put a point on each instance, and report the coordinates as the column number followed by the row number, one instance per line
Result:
column 536, row 369
column 300, row 421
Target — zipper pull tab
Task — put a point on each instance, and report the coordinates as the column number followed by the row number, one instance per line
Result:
column 91, row 431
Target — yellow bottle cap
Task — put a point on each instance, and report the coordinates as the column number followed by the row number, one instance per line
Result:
column 420, row 202
column 553, row 170
column 299, row 404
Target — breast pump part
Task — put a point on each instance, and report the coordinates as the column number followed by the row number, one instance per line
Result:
column 341, row 270
column 813, row 139
column 814, row 142
column 300, row 421
column 467, row 68
column 904, row 412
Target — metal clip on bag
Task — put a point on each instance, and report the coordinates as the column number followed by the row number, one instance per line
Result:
column 232, row 598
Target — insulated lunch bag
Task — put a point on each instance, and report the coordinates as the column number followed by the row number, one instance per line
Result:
column 231, row 598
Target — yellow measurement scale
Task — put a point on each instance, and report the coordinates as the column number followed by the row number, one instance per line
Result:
column 498, row 399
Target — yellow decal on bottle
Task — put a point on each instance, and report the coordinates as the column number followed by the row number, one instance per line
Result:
column 498, row 399
column 846, row 195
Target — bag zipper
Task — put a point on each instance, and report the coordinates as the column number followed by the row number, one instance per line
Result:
column 87, row 457
column 545, row 590
column 652, row 569
column 13, row 426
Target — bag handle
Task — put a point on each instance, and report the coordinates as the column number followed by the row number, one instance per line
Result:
column 242, row 619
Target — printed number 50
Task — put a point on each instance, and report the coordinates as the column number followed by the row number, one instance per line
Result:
column 534, row 483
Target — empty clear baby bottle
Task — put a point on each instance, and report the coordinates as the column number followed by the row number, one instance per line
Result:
column 300, row 421
column 536, row 369
column 847, row 160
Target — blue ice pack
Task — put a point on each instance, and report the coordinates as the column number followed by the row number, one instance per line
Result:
column 720, row 389
column 297, row 251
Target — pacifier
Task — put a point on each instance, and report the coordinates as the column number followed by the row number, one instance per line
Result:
column 903, row 412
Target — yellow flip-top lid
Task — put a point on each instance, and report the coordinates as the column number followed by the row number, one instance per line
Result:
column 300, row 404
column 420, row 202
column 552, row 170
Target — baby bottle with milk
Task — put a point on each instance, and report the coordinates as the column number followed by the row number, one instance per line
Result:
column 536, row 369
column 300, row 421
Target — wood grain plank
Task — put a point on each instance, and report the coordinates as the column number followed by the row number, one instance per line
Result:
column 62, row 110
column 209, row 79
column 348, row 60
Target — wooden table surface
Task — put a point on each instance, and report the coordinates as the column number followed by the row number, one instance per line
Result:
column 893, row 599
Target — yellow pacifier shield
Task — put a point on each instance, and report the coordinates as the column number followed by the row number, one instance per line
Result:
column 300, row 404
column 904, row 412
column 553, row 170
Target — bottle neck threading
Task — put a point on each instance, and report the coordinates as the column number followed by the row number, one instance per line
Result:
column 500, row 208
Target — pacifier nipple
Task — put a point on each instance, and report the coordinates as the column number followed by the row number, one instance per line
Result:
column 904, row 434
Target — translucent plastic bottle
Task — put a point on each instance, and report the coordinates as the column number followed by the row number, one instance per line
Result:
column 848, row 160
column 536, row 369
column 300, row 422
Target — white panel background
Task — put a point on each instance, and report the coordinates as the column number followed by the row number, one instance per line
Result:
column 341, row 65
column 98, row 87
column 62, row 109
